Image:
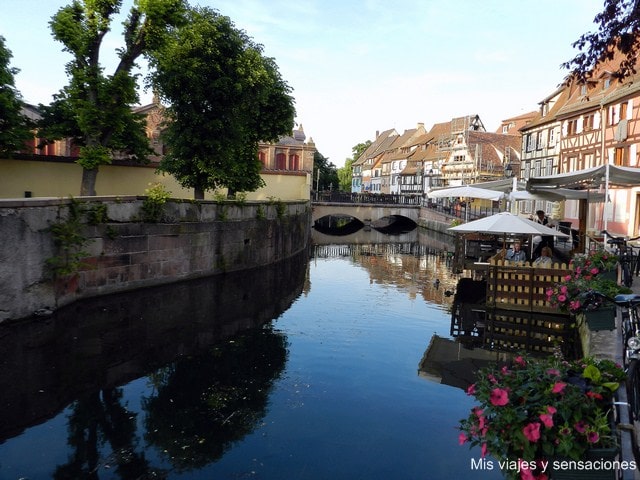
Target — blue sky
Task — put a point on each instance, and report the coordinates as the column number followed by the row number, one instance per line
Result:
column 358, row 66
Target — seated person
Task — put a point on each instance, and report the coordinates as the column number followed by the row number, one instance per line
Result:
column 544, row 260
column 515, row 254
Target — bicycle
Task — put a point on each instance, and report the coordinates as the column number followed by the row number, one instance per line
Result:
column 630, row 325
column 627, row 258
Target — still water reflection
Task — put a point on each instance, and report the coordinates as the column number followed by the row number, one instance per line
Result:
column 307, row 370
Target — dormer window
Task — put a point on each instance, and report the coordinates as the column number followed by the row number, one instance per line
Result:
column 583, row 89
column 606, row 84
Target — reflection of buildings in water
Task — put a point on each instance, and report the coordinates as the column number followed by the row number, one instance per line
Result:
column 417, row 268
column 363, row 237
column 477, row 326
column 449, row 362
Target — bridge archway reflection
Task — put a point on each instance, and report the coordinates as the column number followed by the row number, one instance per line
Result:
column 342, row 225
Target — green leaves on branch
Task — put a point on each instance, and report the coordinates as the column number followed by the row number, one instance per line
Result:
column 223, row 98
column 93, row 157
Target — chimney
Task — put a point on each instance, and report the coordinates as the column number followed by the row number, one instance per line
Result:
column 377, row 133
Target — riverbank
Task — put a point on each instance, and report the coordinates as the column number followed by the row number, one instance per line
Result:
column 57, row 251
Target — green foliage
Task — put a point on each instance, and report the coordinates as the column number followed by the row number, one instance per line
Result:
column 328, row 173
column 153, row 204
column 69, row 242
column 618, row 24
column 97, row 214
column 538, row 409
column 14, row 127
column 223, row 98
column 260, row 213
column 240, row 198
column 95, row 109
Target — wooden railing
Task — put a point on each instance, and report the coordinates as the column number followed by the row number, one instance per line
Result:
column 520, row 286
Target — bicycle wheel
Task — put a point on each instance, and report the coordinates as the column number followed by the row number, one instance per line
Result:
column 633, row 400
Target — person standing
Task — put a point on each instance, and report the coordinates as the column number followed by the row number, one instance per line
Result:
column 547, row 240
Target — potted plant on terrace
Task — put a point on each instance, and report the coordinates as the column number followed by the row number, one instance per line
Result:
column 598, row 262
column 536, row 414
column 568, row 295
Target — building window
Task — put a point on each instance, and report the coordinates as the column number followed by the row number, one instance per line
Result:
column 552, row 137
column 623, row 111
column 530, row 142
column 614, row 114
column 621, row 157
column 263, row 158
column 281, row 161
column 588, row 122
column 294, row 162
column 540, row 140
column 572, row 127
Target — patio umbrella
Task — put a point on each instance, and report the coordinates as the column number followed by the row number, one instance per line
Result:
column 467, row 191
column 506, row 223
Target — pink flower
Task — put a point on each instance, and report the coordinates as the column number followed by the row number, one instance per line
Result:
column 499, row 397
column 553, row 371
column 462, row 439
column 483, row 450
column 593, row 437
column 594, row 271
column 551, row 409
column 520, row 361
column 564, row 289
column 574, row 305
column 471, row 390
column 580, row 427
column 547, row 419
column 532, row 432
column 558, row 387
column 562, row 298
column 526, row 473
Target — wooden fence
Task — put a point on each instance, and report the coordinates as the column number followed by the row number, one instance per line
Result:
column 520, row 286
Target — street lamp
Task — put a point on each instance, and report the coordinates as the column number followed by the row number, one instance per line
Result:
column 508, row 170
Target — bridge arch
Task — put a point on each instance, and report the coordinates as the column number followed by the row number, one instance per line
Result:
column 366, row 213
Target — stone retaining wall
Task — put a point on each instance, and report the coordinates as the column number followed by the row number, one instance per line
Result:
column 193, row 239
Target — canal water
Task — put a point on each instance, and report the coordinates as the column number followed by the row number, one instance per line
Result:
column 310, row 369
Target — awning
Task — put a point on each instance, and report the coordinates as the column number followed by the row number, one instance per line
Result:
column 590, row 177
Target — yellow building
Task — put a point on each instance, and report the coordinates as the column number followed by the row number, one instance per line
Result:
column 51, row 171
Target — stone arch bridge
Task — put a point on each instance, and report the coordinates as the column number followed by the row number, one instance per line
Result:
column 367, row 213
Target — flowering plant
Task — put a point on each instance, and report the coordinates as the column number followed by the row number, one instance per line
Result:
column 586, row 275
column 536, row 409
column 568, row 294
column 595, row 262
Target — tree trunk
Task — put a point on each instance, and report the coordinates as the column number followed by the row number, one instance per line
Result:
column 88, row 186
column 198, row 193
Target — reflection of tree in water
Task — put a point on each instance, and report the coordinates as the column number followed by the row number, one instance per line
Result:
column 203, row 404
column 98, row 419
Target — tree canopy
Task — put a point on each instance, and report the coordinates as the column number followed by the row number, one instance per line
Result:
column 618, row 25
column 326, row 174
column 95, row 109
column 223, row 97
column 14, row 126
column 345, row 173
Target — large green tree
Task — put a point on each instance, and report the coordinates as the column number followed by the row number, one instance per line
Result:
column 618, row 25
column 95, row 108
column 326, row 173
column 223, row 97
column 14, row 126
column 345, row 173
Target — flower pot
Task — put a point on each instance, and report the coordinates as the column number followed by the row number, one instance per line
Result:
column 597, row 465
column 603, row 318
